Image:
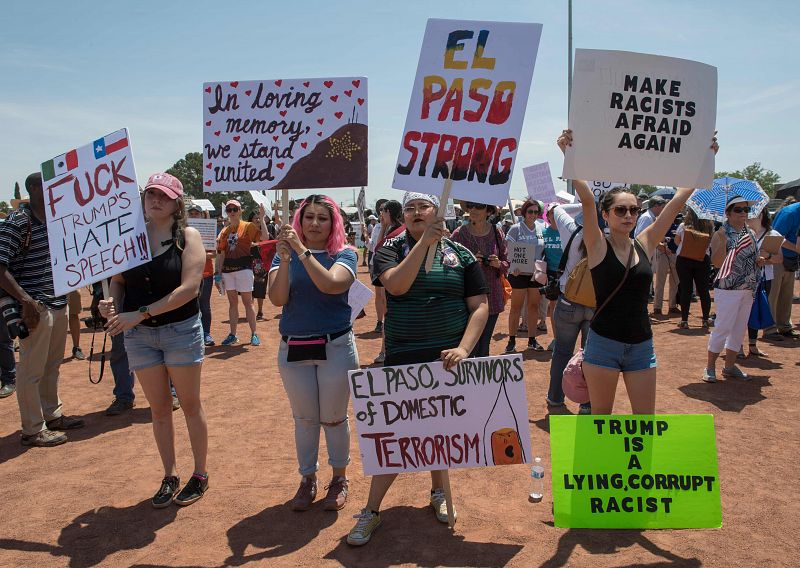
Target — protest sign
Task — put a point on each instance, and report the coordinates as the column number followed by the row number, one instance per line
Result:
column 600, row 187
column 285, row 134
column 636, row 471
column 208, row 232
column 539, row 182
column 521, row 256
column 95, row 224
column 358, row 297
column 420, row 417
column 641, row 118
column 361, row 205
column 260, row 199
column 565, row 197
column 205, row 204
column 467, row 106
column 450, row 210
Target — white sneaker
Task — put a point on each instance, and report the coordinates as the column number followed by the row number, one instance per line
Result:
column 735, row 373
column 439, row 504
column 709, row 376
column 365, row 525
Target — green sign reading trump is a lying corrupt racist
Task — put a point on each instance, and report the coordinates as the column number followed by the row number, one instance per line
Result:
column 639, row 471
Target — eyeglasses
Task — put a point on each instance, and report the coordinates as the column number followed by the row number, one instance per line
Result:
column 479, row 206
column 621, row 210
column 231, row 209
column 745, row 209
column 424, row 208
column 532, row 211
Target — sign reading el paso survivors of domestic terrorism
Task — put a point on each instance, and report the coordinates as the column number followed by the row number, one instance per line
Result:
column 420, row 417
column 467, row 106
column 95, row 224
column 639, row 471
column 285, row 134
column 640, row 118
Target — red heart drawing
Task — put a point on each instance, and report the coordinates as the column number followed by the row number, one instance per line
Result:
column 278, row 82
column 275, row 138
column 282, row 113
column 208, row 165
column 306, row 84
column 319, row 134
column 208, row 183
column 328, row 84
column 304, row 145
column 207, row 89
column 208, row 123
column 356, row 83
column 216, row 133
column 247, row 92
column 235, row 84
column 348, row 93
column 335, row 98
column 360, row 102
column 337, row 114
column 280, row 165
column 320, row 120
column 236, row 138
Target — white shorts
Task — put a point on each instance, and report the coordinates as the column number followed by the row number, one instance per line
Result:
column 240, row 281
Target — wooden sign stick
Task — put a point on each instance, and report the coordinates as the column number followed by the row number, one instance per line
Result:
column 106, row 292
column 285, row 200
column 448, row 183
column 448, row 498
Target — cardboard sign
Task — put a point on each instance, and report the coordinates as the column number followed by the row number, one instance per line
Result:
column 539, row 182
column 521, row 256
column 420, row 417
column 601, row 187
column 95, row 224
column 208, row 232
column 635, row 471
column 285, row 134
column 260, row 199
column 205, row 204
column 467, row 105
column 565, row 197
column 642, row 119
column 358, row 297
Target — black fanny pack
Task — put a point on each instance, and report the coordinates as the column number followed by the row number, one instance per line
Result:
column 309, row 348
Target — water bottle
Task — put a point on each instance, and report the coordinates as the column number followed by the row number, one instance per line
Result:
column 537, row 481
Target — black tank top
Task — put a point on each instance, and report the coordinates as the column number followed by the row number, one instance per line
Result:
column 625, row 318
column 151, row 281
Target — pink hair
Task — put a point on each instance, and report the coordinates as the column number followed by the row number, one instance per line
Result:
column 337, row 240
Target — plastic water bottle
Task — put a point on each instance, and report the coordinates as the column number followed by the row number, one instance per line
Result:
column 537, row 481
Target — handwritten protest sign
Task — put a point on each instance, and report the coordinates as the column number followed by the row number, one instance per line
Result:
column 565, row 197
column 521, row 256
column 420, row 417
column 640, row 118
column 208, row 232
column 600, row 187
column 95, row 224
column 205, row 204
column 539, row 182
column 260, row 199
column 467, row 106
column 285, row 134
column 639, row 471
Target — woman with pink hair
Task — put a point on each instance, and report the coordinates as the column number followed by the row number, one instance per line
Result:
column 310, row 277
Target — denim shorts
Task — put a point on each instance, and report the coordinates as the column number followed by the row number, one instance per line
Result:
column 626, row 357
column 174, row 344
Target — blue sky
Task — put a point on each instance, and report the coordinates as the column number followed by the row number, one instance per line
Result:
column 72, row 71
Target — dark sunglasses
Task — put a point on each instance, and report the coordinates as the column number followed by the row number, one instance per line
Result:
column 231, row 209
column 479, row 206
column 621, row 210
column 534, row 211
column 745, row 209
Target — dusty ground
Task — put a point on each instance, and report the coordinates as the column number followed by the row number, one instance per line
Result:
column 86, row 503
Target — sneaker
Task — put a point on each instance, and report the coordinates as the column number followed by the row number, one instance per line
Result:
column 707, row 323
column 254, row 340
column 176, row 402
column 208, row 340
column 439, row 505
column 378, row 327
column 772, row 336
column 511, row 347
column 118, row 406
column 533, row 344
column 657, row 312
column 551, row 404
column 260, row 316
column 193, row 491
column 366, row 524
column 542, row 327
column 674, row 310
column 78, row 354
column 735, row 373
column 709, row 376
column 381, row 357
column 683, row 324
column 336, row 497
column 166, row 493
column 305, row 495
column 230, row 340
column 523, row 327
column 793, row 333
column 740, row 354
column 585, row 408
column 65, row 423
column 8, row 389
column 44, row 439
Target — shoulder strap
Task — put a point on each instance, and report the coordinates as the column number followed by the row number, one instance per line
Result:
column 563, row 264
column 621, row 282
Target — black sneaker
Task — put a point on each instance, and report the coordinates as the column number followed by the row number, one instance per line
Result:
column 378, row 327
column 166, row 493
column 512, row 346
column 78, row 354
column 193, row 490
column 118, row 407
column 533, row 344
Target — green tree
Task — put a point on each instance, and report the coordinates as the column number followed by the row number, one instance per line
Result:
column 189, row 170
column 755, row 172
column 16, row 191
column 637, row 188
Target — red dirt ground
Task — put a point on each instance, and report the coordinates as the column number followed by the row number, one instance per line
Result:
column 86, row 503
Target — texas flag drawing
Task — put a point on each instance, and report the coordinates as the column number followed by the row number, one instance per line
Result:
column 111, row 143
column 60, row 165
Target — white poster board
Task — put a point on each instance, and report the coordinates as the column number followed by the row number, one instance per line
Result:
column 285, row 134
column 565, row 197
column 640, row 118
column 600, row 187
column 450, row 210
column 204, row 204
column 539, row 182
column 521, row 256
column 467, row 105
column 261, row 199
column 420, row 417
column 95, row 224
column 358, row 297
column 208, row 232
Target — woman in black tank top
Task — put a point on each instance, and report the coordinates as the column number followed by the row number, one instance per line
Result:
column 620, row 338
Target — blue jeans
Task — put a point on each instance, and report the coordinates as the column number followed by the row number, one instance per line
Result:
column 481, row 348
column 8, row 364
column 568, row 320
column 205, row 303
column 123, row 377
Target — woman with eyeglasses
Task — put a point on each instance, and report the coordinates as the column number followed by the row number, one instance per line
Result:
column 487, row 243
column 391, row 225
column 695, row 268
column 524, row 286
column 436, row 315
column 734, row 251
column 310, row 278
column 620, row 338
column 155, row 306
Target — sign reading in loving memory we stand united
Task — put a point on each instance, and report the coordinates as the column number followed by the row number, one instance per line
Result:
column 467, row 106
column 95, row 224
column 285, row 134
column 539, row 182
column 639, row 118
column 420, row 417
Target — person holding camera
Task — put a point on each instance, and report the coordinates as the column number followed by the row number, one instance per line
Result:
column 38, row 317
column 8, row 364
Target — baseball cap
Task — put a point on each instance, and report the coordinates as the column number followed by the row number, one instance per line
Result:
column 233, row 202
column 194, row 207
column 169, row 184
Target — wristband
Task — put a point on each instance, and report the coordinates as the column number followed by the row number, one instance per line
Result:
column 218, row 278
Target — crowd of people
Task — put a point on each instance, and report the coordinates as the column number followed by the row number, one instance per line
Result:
column 603, row 262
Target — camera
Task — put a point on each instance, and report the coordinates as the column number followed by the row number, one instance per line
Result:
column 10, row 312
column 486, row 261
column 551, row 290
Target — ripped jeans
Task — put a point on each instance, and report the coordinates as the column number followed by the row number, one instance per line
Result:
column 319, row 393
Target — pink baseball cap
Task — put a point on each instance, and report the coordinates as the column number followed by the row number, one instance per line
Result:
column 169, row 184
column 233, row 202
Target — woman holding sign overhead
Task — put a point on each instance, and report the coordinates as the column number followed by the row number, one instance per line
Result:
column 431, row 315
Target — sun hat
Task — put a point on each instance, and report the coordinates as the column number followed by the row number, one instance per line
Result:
column 169, row 184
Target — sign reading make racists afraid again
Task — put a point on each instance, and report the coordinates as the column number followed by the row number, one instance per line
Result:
column 643, row 119
column 285, row 134
column 467, row 105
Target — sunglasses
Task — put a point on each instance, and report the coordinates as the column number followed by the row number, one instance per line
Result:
column 231, row 209
column 534, row 211
column 621, row 210
column 424, row 208
column 745, row 209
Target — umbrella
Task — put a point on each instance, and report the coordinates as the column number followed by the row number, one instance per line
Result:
column 710, row 203
column 665, row 192
column 787, row 189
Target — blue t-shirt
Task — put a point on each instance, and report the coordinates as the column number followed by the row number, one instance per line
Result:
column 309, row 311
column 552, row 247
column 787, row 223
